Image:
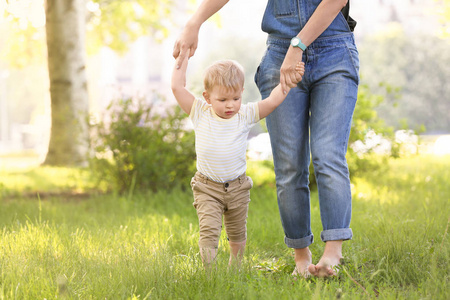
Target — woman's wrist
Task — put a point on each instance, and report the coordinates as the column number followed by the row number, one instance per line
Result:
column 193, row 24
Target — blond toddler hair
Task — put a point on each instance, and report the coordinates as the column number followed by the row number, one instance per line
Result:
column 225, row 73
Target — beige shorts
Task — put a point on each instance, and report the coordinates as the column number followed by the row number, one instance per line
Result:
column 214, row 199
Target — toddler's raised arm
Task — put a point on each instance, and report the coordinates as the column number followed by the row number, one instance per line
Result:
column 184, row 98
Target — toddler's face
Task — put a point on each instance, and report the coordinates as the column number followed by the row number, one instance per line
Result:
column 225, row 103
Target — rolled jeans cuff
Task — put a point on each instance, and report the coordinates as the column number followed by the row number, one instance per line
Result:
column 336, row 234
column 299, row 243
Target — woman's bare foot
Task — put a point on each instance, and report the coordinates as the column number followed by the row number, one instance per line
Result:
column 303, row 259
column 331, row 258
column 324, row 268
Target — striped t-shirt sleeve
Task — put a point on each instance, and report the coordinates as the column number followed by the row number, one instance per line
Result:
column 251, row 112
column 196, row 111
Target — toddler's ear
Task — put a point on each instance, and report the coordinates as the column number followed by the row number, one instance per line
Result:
column 206, row 96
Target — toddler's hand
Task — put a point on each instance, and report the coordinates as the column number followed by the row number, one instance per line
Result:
column 300, row 69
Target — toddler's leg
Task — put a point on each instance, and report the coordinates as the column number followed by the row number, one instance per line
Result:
column 236, row 251
column 209, row 214
column 236, row 227
column 209, row 211
column 208, row 256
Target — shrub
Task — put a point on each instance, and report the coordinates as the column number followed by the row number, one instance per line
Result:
column 138, row 147
column 366, row 122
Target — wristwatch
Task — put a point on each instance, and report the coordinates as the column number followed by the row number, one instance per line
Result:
column 297, row 42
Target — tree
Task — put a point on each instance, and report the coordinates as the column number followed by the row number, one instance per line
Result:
column 65, row 27
column 111, row 23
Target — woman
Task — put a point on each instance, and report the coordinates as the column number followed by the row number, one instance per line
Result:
column 314, row 120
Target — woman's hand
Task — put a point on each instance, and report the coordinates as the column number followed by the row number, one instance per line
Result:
column 289, row 76
column 186, row 44
column 188, row 38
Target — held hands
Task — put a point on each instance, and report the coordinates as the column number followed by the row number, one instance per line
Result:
column 289, row 76
column 278, row 95
column 186, row 44
column 300, row 69
column 298, row 72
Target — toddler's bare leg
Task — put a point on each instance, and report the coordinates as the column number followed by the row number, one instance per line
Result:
column 331, row 258
column 208, row 256
column 236, row 251
column 302, row 261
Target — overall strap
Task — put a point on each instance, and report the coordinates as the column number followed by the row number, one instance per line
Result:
column 346, row 12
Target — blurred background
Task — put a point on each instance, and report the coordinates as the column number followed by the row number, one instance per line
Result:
column 404, row 50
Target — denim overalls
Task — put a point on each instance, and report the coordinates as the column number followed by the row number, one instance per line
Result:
column 314, row 119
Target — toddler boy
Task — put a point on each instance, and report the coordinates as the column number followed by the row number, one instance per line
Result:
column 222, row 123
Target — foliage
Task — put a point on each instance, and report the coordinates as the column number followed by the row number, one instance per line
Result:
column 394, row 57
column 140, row 147
column 116, row 24
column 365, row 120
column 112, row 247
column 444, row 13
column 22, row 33
column 22, row 47
column 365, row 124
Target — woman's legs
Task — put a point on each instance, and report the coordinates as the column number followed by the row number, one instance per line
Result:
column 333, row 99
column 290, row 145
column 288, row 127
column 323, row 106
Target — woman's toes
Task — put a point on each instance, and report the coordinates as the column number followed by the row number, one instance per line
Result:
column 312, row 269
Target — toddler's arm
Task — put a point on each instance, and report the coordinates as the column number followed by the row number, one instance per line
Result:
column 277, row 96
column 184, row 98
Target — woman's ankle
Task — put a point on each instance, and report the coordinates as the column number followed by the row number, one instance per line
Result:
column 333, row 250
column 302, row 254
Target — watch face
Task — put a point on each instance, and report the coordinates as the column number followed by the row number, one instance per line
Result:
column 294, row 41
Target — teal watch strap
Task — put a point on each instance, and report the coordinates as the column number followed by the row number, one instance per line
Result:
column 297, row 42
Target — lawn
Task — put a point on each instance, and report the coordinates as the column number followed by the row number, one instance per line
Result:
column 62, row 239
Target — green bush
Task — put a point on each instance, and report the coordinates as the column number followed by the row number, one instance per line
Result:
column 140, row 147
column 366, row 119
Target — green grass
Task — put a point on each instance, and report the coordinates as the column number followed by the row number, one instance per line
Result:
column 57, row 245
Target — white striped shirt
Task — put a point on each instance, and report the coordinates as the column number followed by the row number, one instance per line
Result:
column 221, row 144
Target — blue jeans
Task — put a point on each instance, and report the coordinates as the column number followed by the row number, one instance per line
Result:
column 313, row 122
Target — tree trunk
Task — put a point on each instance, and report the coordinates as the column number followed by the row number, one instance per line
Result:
column 69, row 138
